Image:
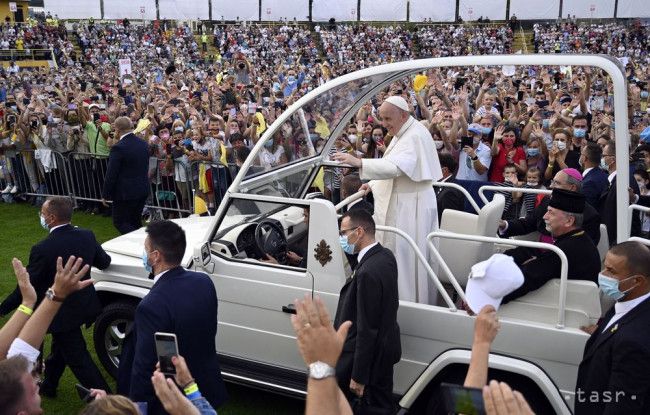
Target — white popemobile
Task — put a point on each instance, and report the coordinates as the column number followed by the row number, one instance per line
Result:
column 539, row 345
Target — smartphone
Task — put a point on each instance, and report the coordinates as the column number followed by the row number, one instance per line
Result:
column 233, row 112
column 166, row 348
column 466, row 142
column 72, row 106
column 252, row 108
column 95, row 117
column 461, row 400
column 520, row 95
column 84, row 394
column 543, row 103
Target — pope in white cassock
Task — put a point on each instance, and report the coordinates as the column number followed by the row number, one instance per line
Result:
column 402, row 185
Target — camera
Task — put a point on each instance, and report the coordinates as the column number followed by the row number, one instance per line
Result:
column 241, row 65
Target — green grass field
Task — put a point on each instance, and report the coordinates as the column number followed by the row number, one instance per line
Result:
column 19, row 230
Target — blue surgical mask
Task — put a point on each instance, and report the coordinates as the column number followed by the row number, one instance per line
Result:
column 145, row 261
column 609, row 286
column 545, row 123
column 603, row 164
column 579, row 132
column 291, row 79
column 486, row 130
column 532, row 152
column 347, row 247
column 44, row 223
column 644, row 94
column 268, row 144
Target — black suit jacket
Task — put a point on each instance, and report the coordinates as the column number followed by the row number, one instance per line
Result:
column 127, row 171
column 449, row 198
column 184, row 303
column 607, row 210
column 617, row 360
column 534, row 221
column 79, row 308
column 594, row 183
column 583, row 260
column 370, row 300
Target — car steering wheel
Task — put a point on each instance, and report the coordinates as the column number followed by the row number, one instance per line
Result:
column 271, row 240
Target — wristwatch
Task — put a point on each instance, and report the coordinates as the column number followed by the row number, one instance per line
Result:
column 321, row 370
column 51, row 295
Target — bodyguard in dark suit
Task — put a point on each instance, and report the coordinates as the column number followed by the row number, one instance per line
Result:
column 563, row 219
column 594, row 179
column 68, row 345
column 370, row 300
column 607, row 204
column 349, row 186
column 180, row 302
column 126, row 182
column 534, row 221
column 614, row 375
column 448, row 197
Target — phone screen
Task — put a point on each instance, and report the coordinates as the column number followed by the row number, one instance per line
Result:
column 84, row 394
column 466, row 142
column 520, row 95
column 461, row 400
column 166, row 348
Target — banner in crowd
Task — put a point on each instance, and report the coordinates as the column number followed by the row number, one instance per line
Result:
column 341, row 10
column 526, row 9
column 387, row 11
column 73, row 9
column 436, row 10
column 283, row 9
column 586, row 9
column 471, row 10
column 130, row 9
column 233, row 10
column 633, row 8
column 184, row 10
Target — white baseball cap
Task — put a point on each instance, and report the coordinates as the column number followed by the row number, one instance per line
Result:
column 399, row 102
column 491, row 280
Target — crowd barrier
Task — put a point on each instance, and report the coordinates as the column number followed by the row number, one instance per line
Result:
column 80, row 176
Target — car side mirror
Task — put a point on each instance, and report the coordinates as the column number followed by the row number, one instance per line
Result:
column 206, row 257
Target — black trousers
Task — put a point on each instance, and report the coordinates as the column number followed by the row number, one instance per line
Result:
column 127, row 214
column 69, row 349
column 378, row 393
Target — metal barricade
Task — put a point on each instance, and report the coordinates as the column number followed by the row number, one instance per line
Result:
column 38, row 173
column 171, row 189
column 210, row 181
column 87, row 172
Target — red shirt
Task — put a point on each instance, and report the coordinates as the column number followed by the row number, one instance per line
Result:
column 499, row 162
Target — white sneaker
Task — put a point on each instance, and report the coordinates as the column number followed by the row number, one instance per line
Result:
column 14, row 190
column 7, row 189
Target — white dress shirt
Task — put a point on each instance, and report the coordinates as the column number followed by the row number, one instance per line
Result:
column 364, row 251
column 621, row 308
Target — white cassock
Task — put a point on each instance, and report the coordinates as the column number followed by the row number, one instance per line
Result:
column 402, row 186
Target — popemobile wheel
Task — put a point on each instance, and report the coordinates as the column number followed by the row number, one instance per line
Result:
column 110, row 329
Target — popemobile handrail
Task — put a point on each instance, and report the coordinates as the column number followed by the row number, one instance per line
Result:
column 464, row 191
column 564, row 267
column 482, row 189
column 631, row 210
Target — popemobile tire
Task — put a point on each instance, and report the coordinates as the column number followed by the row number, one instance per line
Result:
column 108, row 335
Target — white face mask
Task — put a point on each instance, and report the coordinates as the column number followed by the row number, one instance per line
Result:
column 439, row 144
column 56, row 120
column 532, row 184
column 352, row 138
column 561, row 145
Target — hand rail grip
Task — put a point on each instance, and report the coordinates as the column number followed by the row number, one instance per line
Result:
column 564, row 267
column 358, row 195
column 482, row 189
column 422, row 259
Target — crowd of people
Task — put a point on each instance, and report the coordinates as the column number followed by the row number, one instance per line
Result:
column 200, row 109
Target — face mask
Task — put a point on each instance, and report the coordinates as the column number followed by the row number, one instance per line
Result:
column 579, row 132
column 644, row 94
column 641, row 184
column 532, row 152
column 56, row 120
column 486, row 130
column 439, row 144
column 352, row 138
column 44, row 223
column 532, row 184
column 268, row 144
column 603, row 164
column 609, row 286
column 561, row 145
column 545, row 123
column 291, row 79
column 145, row 262
column 347, row 247
column 508, row 142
